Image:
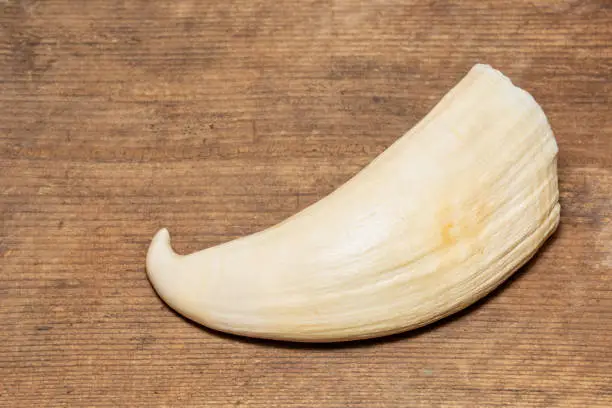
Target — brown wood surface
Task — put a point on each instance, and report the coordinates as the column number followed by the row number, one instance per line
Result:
column 220, row 118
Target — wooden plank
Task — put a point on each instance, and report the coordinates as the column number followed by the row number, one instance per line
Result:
column 221, row 118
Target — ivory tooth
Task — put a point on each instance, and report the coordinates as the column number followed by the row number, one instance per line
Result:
column 434, row 223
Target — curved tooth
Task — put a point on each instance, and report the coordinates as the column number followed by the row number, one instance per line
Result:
column 434, row 223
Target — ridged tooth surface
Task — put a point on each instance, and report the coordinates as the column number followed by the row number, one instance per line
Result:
column 434, row 223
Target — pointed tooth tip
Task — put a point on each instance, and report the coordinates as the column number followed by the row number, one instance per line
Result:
column 160, row 253
column 162, row 235
column 161, row 240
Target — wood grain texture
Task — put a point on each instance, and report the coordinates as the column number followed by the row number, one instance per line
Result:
column 220, row 118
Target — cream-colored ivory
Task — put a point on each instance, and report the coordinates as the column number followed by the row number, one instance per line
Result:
column 434, row 223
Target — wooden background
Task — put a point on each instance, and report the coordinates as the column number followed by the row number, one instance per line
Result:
column 220, row 118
